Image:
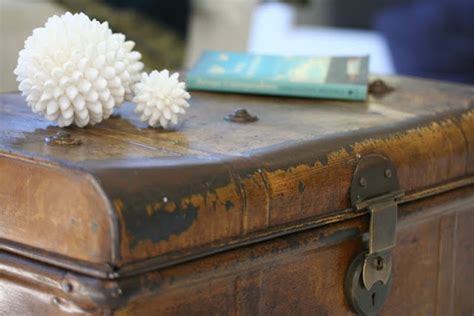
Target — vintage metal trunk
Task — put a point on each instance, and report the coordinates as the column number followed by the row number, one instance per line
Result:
column 295, row 213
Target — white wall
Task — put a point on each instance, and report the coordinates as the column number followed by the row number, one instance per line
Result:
column 17, row 20
column 273, row 31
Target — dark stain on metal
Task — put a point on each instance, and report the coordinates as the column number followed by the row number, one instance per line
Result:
column 139, row 187
column 228, row 205
column 62, row 138
column 241, row 116
column 378, row 87
column 301, row 187
column 165, row 223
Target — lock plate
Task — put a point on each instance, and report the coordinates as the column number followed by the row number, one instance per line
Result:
column 363, row 301
column 375, row 189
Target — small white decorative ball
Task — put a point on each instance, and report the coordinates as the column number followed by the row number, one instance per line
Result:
column 160, row 98
column 75, row 70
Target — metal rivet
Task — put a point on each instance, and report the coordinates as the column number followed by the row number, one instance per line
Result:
column 165, row 200
column 379, row 87
column 259, row 170
column 113, row 275
column 117, row 292
column 362, row 182
column 67, row 287
column 388, row 173
column 241, row 116
column 62, row 138
column 358, row 156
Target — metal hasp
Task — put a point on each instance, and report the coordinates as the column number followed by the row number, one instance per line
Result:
column 374, row 188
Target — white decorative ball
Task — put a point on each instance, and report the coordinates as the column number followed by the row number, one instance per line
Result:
column 75, row 70
column 160, row 98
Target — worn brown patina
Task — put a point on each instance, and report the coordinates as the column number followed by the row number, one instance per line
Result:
column 299, row 273
column 135, row 202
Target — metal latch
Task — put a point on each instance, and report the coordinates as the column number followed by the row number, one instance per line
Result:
column 374, row 188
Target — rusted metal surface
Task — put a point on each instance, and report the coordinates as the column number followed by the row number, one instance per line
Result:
column 283, row 170
column 168, row 196
column 55, row 210
column 299, row 273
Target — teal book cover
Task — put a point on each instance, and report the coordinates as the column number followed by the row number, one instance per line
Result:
column 300, row 76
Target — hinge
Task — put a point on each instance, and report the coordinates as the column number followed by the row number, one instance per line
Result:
column 374, row 188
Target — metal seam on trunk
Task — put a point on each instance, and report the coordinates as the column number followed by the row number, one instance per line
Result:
column 135, row 268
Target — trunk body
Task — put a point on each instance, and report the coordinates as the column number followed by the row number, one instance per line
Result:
column 228, row 218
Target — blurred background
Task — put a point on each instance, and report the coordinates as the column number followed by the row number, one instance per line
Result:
column 425, row 38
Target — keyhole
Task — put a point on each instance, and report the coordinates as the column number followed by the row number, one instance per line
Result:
column 373, row 299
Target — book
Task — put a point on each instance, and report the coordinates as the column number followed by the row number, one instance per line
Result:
column 300, row 76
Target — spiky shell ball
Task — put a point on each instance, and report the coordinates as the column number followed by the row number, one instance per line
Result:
column 75, row 70
column 160, row 98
